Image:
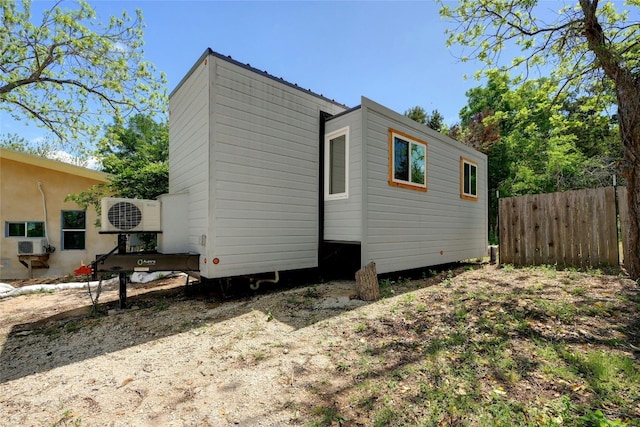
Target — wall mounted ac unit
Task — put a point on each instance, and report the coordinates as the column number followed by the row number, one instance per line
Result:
column 33, row 246
column 130, row 215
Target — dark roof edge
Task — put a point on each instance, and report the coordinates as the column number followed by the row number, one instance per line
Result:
column 191, row 70
column 229, row 59
column 335, row 116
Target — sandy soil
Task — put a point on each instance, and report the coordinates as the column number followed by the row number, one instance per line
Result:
column 171, row 359
column 177, row 359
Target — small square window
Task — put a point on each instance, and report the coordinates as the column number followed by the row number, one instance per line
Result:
column 16, row 229
column 408, row 161
column 35, row 229
column 468, row 179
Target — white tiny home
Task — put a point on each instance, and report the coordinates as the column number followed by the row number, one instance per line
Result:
column 264, row 174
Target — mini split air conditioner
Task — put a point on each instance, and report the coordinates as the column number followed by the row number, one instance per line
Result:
column 130, row 215
column 34, row 246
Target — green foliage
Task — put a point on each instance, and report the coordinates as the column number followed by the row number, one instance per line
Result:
column 386, row 288
column 45, row 148
column 589, row 51
column 328, row 416
column 136, row 156
column 537, row 141
column 597, row 419
column 545, row 37
column 68, row 70
column 435, row 120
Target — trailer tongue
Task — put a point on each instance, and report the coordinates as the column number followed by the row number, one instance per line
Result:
column 122, row 262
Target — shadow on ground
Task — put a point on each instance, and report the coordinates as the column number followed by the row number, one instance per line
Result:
column 79, row 334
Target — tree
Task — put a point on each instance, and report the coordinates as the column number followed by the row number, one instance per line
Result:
column 45, row 148
column 435, row 120
column 15, row 142
column 69, row 71
column 588, row 46
column 417, row 114
column 534, row 144
column 137, row 157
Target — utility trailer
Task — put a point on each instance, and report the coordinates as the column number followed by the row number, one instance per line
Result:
column 131, row 216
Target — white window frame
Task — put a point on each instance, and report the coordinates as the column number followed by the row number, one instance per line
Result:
column 463, row 194
column 393, row 134
column 327, row 164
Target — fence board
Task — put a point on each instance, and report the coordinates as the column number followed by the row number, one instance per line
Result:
column 556, row 222
column 506, row 226
column 537, row 206
column 572, row 228
column 612, row 242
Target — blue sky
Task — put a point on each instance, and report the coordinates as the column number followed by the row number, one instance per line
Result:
column 390, row 51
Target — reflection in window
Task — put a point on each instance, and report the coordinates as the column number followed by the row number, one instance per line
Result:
column 469, row 177
column 24, row 229
column 409, row 162
column 417, row 163
column 73, row 230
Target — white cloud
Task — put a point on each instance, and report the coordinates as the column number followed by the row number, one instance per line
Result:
column 62, row 156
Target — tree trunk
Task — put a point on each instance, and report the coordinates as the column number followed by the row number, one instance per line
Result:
column 367, row 287
column 627, row 86
column 629, row 168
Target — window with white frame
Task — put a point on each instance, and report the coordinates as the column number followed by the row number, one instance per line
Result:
column 74, row 230
column 468, row 179
column 24, row 229
column 408, row 161
column 336, row 165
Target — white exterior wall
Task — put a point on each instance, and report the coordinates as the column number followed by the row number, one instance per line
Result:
column 407, row 229
column 189, row 107
column 265, row 172
column 245, row 146
column 342, row 218
column 175, row 223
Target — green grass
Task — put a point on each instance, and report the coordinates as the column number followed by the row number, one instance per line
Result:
column 498, row 356
column 161, row 305
column 326, row 416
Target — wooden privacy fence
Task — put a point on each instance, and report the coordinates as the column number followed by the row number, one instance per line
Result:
column 572, row 229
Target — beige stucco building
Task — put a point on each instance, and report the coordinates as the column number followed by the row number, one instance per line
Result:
column 36, row 219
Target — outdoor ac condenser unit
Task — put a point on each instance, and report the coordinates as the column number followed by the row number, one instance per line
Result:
column 33, row 246
column 130, row 215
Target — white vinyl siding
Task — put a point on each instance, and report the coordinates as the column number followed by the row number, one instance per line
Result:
column 408, row 229
column 189, row 149
column 343, row 217
column 264, row 166
column 245, row 147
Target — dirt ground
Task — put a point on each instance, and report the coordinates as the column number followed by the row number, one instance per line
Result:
column 172, row 359
column 193, row 359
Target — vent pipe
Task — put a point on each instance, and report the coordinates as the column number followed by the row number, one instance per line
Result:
column 44, row 208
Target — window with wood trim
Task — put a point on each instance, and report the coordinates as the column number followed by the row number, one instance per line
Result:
column 407, row 161
column 468, row 179
column 336, row 165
